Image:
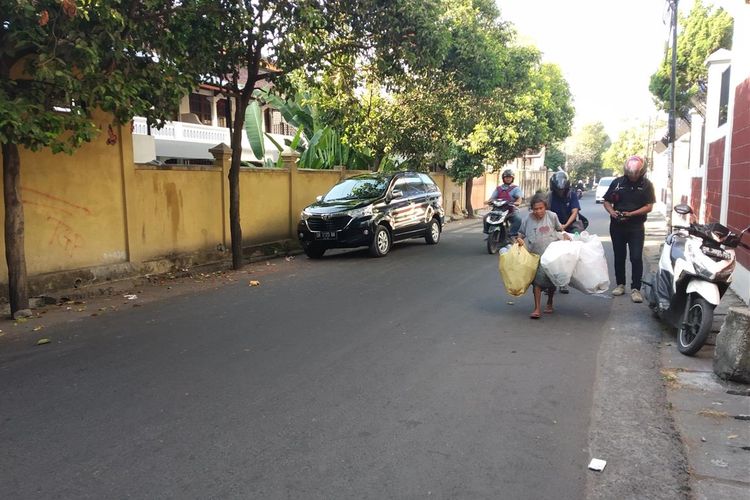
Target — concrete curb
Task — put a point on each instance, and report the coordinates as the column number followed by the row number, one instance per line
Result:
column 704, row 407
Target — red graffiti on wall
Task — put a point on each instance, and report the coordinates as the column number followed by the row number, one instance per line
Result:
column 64, row 236
column 60, row 215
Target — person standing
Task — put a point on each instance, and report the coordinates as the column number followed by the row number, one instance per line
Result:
column 538, row 229
column 628, row 201
column 513, row 195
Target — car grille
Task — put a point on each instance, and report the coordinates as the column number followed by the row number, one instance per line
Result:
column 333, row 224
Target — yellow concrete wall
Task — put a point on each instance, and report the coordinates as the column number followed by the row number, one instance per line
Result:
column 264, row 205
column 73, row 207
column 175, row 211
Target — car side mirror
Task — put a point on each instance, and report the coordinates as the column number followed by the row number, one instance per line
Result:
column 396, row 193
column 319, row 198
column 683, row 209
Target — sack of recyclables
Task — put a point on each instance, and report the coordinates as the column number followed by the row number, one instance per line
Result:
column 591, row 274
column 579, row 263
column 559, row 261
column 517, row 268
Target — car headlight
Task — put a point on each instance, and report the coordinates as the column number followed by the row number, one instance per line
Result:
column 304, row 215
column 360, row 212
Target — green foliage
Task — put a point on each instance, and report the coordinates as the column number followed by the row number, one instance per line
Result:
column 588, row 147
column 62, row 60
column 321, row 146
column 704, row 31
column 633, row 141
column 554, row 157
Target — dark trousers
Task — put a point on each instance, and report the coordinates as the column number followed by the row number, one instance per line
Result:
column 628, row 240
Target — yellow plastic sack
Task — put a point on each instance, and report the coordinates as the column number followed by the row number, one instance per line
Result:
column 518, row 268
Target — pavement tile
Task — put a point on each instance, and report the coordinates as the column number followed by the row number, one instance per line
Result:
column 717, row 445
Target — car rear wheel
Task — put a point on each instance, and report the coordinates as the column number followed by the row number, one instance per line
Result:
column 381, row 242
column 432, row 235
column 314, row 251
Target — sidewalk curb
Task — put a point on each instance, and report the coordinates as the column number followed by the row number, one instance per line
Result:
column 704, row 408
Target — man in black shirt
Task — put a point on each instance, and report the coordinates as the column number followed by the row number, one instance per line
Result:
column 628, row 201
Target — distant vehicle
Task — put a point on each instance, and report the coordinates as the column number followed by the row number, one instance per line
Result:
column 601, row 188
column 373, row 210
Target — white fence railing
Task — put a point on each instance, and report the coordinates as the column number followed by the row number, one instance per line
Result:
column 202, row 134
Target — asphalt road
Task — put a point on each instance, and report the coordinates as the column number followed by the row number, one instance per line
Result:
column 410, row 376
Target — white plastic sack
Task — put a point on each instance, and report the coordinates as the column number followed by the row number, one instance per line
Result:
column 559, row 261
column 591, row 274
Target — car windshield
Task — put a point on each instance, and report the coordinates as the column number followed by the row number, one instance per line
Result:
column 606, row 182
column 358, row 188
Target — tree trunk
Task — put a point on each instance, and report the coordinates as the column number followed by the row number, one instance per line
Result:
column 18, row 284
column 469, row 186
column 235, row 226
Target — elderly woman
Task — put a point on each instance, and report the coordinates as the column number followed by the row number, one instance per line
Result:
column 540, row 228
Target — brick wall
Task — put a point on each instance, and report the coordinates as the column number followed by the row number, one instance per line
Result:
column 714, row 176
column 738, row 217
column 696, row 192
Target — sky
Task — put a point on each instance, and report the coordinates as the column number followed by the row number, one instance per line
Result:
column 607, row 51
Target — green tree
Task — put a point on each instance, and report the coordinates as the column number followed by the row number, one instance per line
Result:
column 588, row 147
column 60, row 61
column 633, row 141
column 554, row 157
column 240, row 37
column 704, row 31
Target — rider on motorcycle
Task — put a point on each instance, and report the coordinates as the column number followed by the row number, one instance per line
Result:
column 511, row 193
column 563, row 201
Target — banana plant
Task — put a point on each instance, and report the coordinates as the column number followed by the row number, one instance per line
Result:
column 320, row 146
column 256, row 136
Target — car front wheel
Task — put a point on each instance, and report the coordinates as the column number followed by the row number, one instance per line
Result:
column 381, row 242
column 432, row 235
column 314, row 251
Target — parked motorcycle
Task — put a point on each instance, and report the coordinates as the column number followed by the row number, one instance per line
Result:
column 695, row 270
column 499, row 225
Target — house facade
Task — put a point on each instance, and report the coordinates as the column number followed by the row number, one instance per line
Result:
column 200, row 123
column 712, row 162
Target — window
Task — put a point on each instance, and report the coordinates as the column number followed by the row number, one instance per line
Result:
column 724, row 98
column 200, row 105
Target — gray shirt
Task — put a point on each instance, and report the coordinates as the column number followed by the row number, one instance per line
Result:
column 539, row 233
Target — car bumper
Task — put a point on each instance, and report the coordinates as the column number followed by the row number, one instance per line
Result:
column 356, row 234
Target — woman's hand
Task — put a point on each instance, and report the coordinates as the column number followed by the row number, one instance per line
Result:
column 520, row 242
column 566, row 236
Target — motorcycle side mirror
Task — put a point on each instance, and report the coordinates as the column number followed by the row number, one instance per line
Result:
column 683, row 209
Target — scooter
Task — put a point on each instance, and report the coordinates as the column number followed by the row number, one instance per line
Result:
column 499, row 225
column 695, row 270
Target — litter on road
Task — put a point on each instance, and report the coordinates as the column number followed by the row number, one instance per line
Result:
column 597, row 464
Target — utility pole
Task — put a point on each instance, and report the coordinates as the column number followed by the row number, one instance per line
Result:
column 672, row 113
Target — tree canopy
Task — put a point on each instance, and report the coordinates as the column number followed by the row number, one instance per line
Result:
column 703, row 31
column 588, row 146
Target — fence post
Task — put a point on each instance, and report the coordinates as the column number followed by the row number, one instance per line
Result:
column 289, row 159
column 223, row 159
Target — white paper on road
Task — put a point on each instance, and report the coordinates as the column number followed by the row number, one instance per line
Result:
column 597, row 465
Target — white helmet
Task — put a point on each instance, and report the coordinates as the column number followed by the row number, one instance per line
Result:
column 635, row 167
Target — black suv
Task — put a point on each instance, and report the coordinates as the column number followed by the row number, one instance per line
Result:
column 373, row 210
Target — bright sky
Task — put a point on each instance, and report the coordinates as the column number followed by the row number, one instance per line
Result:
column 607, row 51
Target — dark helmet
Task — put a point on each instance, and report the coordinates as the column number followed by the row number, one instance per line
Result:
column 508, row 173
column 559, row 184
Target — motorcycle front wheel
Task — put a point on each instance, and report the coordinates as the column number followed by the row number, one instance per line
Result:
column 697, row 325
column 495, row 240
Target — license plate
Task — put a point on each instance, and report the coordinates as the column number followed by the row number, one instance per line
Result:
column 325, row 235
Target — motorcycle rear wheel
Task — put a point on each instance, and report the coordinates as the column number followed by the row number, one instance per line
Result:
column 495, row 240
column 697, row 325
